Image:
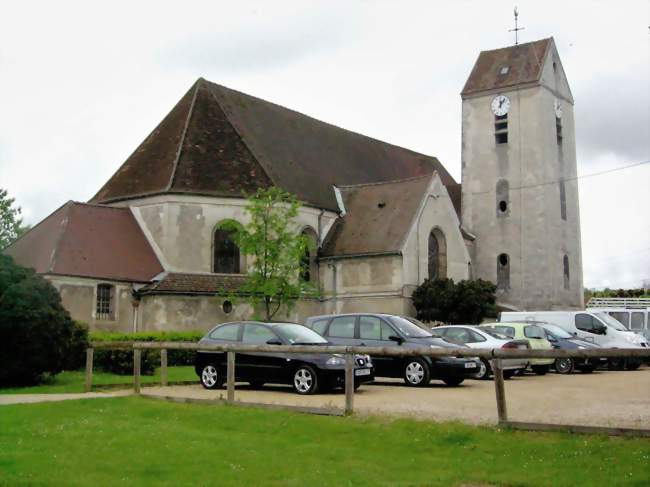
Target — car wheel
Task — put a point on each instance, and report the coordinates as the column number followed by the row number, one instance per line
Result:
column 305, row 380
column 484, row 370
column 453, row 381
column 540, row 369
column 564, row 365
column 210, row 377
column 256, row 384
column 416, row 373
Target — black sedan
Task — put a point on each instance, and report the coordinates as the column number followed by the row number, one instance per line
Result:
column 306, row 372
column 561, row 339
column 384, row 330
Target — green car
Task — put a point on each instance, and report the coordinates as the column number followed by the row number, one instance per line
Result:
column 535, row 336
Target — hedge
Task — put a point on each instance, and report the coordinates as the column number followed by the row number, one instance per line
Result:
column 121, row 361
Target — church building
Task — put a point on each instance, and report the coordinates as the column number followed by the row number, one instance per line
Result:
column 150, row 252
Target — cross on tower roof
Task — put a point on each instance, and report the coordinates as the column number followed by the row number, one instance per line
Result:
column 517, row 28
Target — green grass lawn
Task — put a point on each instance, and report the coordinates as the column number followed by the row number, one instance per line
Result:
column 135, row 441
column 73, row 381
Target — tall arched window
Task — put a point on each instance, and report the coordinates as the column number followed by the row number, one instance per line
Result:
column 503, row 197
column 437, row 254
column 503, row 272
column 308, row 262
column 562, row 200
column 567, row 276
column 226, row 259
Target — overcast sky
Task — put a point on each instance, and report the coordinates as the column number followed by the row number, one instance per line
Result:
column 83, row 83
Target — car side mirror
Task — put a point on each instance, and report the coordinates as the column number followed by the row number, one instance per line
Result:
column 273, row 341
column 397, row 339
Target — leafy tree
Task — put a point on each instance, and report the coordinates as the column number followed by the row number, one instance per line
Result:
column 10, row 222
column 463, row 302
column 271, row 238
column 37, row 335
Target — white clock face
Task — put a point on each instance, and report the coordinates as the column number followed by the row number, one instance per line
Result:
column 557, row 106
column 500, row 105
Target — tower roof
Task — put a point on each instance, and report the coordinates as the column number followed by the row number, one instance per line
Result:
column 524, row 63
column 220, row 142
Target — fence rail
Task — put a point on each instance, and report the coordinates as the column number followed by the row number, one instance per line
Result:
column 495, row 355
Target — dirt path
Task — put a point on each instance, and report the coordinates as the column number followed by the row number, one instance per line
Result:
column 32, row 398
column 599, row 399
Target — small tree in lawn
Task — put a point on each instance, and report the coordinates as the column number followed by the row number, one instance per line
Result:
column 271, row 238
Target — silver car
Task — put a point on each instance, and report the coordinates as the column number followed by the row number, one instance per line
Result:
column 477, row 337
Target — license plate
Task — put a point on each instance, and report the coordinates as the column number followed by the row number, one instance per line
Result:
column 470, row 365
column 362, row 372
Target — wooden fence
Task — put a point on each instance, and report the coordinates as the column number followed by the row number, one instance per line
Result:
column 495, row 355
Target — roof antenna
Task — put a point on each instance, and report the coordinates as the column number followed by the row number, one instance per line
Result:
column 517, row 28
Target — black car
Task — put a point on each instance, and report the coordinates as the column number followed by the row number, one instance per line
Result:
column 561, row 339
column 306, row 372
column 384, row 330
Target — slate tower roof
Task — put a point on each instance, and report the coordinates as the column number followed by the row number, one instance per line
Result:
column 220, row 142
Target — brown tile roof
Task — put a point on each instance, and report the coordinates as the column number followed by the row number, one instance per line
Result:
column 217, row 141
column 378, row 217
column 86, row 240
column 181, row 283
column 524, row 63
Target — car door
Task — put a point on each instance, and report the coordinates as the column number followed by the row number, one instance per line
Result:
column 588, row 328
column 260, row 366
column 341, row 330
column 230, row 333
column 374, row 332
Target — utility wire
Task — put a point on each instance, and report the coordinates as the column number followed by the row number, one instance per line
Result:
column 574, row 178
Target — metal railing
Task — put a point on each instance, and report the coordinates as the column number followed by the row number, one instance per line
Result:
column 494, row 355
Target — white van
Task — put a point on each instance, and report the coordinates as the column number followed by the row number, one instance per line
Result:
column 595, row 326
column 634, row 319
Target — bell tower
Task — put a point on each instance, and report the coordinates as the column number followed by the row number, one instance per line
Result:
column 519, row 186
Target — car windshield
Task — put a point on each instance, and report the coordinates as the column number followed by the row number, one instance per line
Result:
column 408, row 328
column 613, row 322
column 507, row 331
column 299, row 335
column 557, row 332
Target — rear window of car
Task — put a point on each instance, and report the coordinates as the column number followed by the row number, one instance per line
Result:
column 342, row 327
column 319, row 326
column 226, row 332
column 507, row 331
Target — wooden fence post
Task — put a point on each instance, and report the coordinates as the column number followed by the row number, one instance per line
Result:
column 137, row 359
column 163, row 367
column 230, row 377
column 89, row 370
column 499, row 388
column 349, row 383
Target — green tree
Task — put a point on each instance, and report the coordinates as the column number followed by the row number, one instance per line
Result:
column 463, row 302
column 272, row 239
column 10, row 222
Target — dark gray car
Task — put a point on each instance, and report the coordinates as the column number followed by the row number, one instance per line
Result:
column 385, row 330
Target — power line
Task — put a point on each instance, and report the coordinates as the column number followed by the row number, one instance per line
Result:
column 573, row 178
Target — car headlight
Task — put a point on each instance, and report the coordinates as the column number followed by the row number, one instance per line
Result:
column 335, row 361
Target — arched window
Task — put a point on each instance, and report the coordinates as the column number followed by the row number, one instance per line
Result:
column 567, row 276
column 308, row 262
column 503, row 197
column 437, row 254
column 226, row 258
column 503, row 272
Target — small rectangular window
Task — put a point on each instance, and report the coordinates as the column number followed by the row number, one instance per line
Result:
column 501, row 129
column 636, row 323
column 105, row 307
column 558, row 130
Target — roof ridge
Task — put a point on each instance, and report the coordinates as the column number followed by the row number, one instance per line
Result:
column 392, row 181
column 181, row 142
column 320, row 121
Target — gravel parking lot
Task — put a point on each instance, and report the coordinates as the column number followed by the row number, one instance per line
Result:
column 603, row 398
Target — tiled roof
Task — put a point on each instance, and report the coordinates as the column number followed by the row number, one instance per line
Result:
column 183, row 283
column 86, row 240
column 522, row 64
column 217, row 141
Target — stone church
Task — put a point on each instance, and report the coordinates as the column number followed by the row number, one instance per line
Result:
column 149, row 250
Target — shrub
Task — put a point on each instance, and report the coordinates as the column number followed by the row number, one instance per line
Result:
column 37, row 335
column 121, row 361
column 463, row 302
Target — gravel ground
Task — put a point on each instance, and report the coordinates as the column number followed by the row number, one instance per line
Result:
column 604, row 398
